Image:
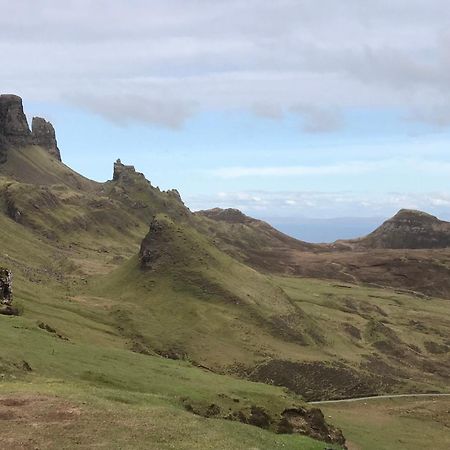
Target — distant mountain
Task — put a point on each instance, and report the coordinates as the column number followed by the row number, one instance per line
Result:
column 409, row 229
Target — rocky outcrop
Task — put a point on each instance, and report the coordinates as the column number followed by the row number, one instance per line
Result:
column 310, row 422
column 153, row 247
column 13, row 122
column 14, row 128
column 43, row 134
column 15, row 132
column 6, row 296
column 126, row 174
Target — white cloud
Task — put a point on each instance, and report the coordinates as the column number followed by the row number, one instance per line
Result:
column 161, row 61
column 309, row 204
column 349, row 168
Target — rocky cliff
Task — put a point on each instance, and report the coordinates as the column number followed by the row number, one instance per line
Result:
column 14, row 128
column 13, row 122
column 43, row 134
column 15, row 132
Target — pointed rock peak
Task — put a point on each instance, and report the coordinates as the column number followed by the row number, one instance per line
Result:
column 13, row 122
column 43, row 134
column 121, row 170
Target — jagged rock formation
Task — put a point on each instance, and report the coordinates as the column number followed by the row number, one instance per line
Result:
column 13, row 122
column 43, row 134
column 409, row 229
column 15, row 132
column 6, row 296
column 125, row 173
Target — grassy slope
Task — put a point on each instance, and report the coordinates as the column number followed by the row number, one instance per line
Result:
column 111, row 386
column 415, row 424
column 386, row 332
column 50, row 279
column 204, row 306
column 201, row 302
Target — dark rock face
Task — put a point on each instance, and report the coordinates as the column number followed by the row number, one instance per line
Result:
column 310, row 422
column 5, row 286
column 14, row 128
column 6, row 296
column 43, row 134
column 13, row 122
column 152, row 247
column 126, row 173
column 15, row 132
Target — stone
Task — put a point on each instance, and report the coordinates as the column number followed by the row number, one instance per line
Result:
column 6, row 296
column 310, row 422
column 43, row 134
column 5, row 286
column 13, row 122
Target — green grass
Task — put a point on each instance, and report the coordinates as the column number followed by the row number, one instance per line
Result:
column 114, row 383
column 76, row 269
column 413, row 424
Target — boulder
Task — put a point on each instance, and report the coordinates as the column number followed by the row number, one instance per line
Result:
column 6, row 296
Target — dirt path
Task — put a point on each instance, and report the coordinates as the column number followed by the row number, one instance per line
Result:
column 377, row 397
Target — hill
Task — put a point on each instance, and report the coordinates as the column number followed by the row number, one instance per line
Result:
column 409, row 229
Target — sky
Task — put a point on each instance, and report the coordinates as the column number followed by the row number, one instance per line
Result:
column 289, row 110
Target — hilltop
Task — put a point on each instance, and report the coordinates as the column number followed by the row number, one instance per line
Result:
column 409, row 229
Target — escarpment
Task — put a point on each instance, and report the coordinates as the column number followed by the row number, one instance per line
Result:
column 43, row 134
column 15, row 131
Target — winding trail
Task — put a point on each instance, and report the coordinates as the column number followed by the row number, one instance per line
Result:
column 377, row 397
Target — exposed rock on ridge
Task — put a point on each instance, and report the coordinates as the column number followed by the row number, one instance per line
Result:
column 15, row 132
column 13, row 122
column 14, row 128
column 43, row 134
column 125, row 173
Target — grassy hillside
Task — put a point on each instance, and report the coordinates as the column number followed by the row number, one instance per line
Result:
column 110, row 277
column 413, row 424
column 78, row 393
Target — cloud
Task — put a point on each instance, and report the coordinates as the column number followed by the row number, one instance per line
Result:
column 312, row 204
column 174, row 58
column 349, row 168
column 129, row 108
column 416, row 166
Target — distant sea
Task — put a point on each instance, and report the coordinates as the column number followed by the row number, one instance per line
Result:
column 325, row 230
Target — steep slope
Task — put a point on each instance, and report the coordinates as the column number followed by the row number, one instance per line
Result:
column 192, row 300
column 252, row 241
